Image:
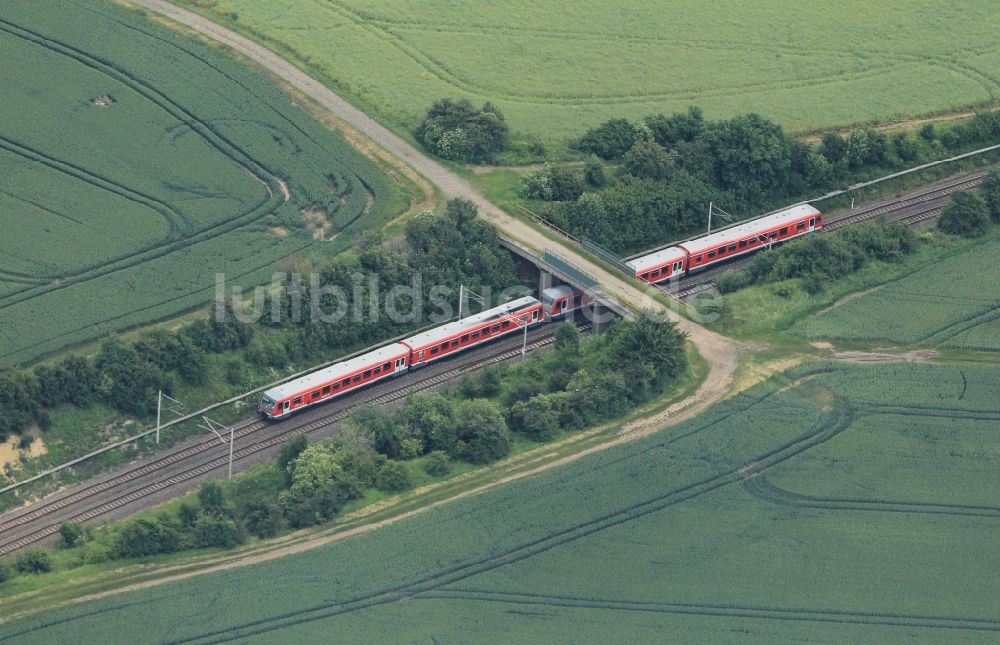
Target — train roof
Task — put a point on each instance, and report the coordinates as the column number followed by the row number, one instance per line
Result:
column 556, row 292
column 663, row 256
column 447, row 331
column 335, row 371
column 749, row 228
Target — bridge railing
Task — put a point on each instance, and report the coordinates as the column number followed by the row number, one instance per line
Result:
column 569, row 269
column 609, row 256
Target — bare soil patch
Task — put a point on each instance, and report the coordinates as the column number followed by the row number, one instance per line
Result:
column 914, row 356
column 316, row 222
column 285, row 193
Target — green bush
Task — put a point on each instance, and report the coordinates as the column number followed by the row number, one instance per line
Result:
column 262, row 518
column 72, row 534
column 966, row 214
column 438, row 464
column 211, row 529
column 144, row 537
column 33, row 561
column 536, row 418
column 594, row 175
column 456, row 130
column 613, row 138
column 991, row 193
column 551, row 183
column 96, row 552
column 481, row 431
column 393, row 477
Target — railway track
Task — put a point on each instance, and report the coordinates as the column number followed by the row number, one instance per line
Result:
column 911, row 209
column 188, row 463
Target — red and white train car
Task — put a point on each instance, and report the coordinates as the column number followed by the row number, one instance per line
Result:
column 397, row 358
column 559, row 301
column 734, row 241
column 661, row 265
column 335, row 380
column 445, row 340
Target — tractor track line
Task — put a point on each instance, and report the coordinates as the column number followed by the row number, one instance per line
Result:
column 826, row 429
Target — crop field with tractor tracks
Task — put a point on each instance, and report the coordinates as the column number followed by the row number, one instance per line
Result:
column 555, row 69
column 777, row 515
column 137, row 164
column 953, row 303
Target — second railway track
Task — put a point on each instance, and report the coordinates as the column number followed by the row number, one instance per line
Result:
column 911, row 209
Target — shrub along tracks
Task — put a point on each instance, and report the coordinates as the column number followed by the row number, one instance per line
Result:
column 187, row 465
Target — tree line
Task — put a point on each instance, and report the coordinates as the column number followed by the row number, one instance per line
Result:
column 671, row 166
column 819, row 259
column 125, row 377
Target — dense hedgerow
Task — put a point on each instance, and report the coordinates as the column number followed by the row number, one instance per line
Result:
column 674, row 165
column 818, row 259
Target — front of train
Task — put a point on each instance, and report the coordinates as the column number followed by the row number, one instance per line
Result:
column 267, row 407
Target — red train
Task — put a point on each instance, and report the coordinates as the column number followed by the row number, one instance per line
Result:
column 398, row 358
column 559, row 301
column 717, row 247
column 429, row 346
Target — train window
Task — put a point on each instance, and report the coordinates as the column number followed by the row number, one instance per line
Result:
column 326, row 390
column 743, row 244
column 505, row 324
column 654, row 273
column 678, row 264
column 496, row 327
column 465, row 338
column 315, row 394
column 732, row 247
column 346, row 382
column 336, row 386
column 698, row 259
column 297, row 400
column 356, row 378
column 773, row 235
column 784, row 230
column 434, row 350
column 711, row 254
column 475, row 334
column 800, row 225
column 486, row 331
column 387, row 366
column 377, row 370
column 534, row 315
column 454, row 342
column 368, row 373
column 444, row 347
column 645, row 276
column 400, row 362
